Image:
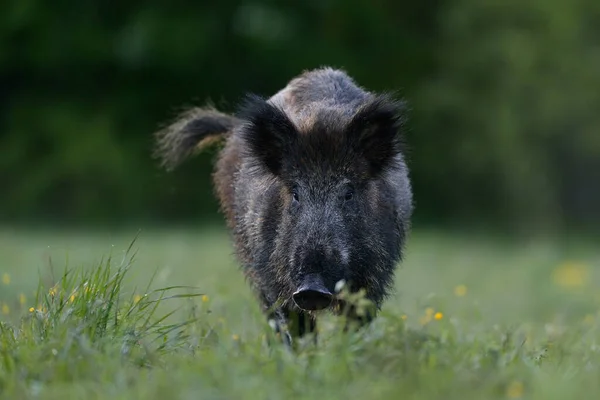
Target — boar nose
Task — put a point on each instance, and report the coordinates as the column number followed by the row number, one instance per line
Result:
column 312, row 294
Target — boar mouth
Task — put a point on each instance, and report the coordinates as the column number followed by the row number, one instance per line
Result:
column 312, row 295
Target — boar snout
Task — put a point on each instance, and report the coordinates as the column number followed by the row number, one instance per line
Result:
column 312, row 294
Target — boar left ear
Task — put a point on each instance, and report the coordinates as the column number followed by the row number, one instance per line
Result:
column 375, row 132
column 269, row 134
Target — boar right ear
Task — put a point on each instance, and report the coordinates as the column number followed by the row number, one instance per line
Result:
column 269, row 134
column 375, row 131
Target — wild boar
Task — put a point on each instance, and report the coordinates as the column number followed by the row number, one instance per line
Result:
column 314, row 187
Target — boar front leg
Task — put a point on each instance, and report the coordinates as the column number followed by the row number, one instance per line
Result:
column 290, row 325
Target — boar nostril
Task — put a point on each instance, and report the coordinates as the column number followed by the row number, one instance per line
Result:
column 312, row 294
column 312, row 300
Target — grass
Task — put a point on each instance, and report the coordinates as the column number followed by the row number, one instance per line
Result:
column 171, row 317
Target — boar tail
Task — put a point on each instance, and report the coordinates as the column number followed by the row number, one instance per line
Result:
column 191, row 132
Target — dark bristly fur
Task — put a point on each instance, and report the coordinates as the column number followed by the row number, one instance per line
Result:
column 311, row 181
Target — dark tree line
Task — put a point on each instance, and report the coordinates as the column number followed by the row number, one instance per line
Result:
column 504, row 97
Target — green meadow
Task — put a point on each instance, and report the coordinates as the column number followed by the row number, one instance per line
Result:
column 165, row 313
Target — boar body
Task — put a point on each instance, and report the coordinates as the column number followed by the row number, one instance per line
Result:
column 314, row 188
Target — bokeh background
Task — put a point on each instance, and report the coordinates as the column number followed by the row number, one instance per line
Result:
column 503, row 264
column 504, row 96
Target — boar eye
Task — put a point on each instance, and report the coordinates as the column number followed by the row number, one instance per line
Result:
column 295, row 195
column 349, row 195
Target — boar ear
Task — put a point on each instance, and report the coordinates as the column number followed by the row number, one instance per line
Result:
column 269, row 134
column 375, row 132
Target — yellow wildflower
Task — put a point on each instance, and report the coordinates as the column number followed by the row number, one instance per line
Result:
column 514, row 390
column 438, row 315
column 204, row 298
column 137, row 298
column 571, row 275
column 235, row 337
column 460, row 290
column 5, row 309
column 72, row 298
column 31, row 309
column 6, row 279
column 404, row 317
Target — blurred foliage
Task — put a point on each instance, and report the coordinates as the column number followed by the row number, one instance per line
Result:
column 511, row 115
column 503, row 94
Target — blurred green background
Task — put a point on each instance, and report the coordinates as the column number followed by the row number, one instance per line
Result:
column 504, row 135
column 504, row 126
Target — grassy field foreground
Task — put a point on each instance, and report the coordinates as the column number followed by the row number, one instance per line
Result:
column 471, row 318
